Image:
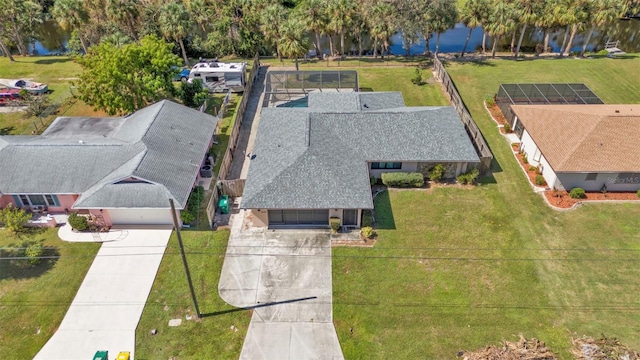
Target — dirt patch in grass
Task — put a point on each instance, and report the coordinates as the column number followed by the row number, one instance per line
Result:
column 602, row 349
column 532, row 349
column 562, row 199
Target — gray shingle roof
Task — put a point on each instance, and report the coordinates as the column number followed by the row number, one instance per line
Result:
column 163, row 144
column 306, row 158
column 354, row 101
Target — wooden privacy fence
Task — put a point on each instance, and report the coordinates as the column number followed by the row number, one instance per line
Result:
column 232, row 187
column 227, row 159
column 472, row 129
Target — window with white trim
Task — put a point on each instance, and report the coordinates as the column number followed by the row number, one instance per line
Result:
column 386, row 165
column 38, row 200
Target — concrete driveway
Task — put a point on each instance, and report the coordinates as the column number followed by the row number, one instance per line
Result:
column 285, row 277
column 106, row 310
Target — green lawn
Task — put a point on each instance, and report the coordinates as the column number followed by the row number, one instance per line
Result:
column 221, row 331
column 458, row 269
column 34, row 299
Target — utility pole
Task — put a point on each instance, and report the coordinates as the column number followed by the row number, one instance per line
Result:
column 184, row 258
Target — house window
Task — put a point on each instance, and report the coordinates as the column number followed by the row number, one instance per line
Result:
column 591, row 176
column 536, row 155
column 386, row 165
column 38, row 200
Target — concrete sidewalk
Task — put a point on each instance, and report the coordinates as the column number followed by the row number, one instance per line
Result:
column 285, row 277
column 106, row 310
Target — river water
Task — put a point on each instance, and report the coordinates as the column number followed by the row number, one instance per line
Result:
column 627, row 32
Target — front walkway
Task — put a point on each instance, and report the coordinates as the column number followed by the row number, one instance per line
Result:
column 285, row 277
column 106, row 310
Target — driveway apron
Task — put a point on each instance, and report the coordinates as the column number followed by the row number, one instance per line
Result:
column 106, row 310
column 285, row 277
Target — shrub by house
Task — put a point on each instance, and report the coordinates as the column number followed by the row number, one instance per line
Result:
column 403, row 179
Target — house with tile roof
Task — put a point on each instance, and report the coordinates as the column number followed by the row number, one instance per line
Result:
column 586, row 146
column 122, row 169
column 312, row 163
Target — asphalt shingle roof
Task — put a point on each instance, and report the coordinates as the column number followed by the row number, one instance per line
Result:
column 310, row 158
column 163, row 145
column 585, row 138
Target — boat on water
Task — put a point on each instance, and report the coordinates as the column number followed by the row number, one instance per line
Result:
column 30, row 86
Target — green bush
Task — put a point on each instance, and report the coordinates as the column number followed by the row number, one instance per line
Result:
column 373, row 180
column 490, row 100
column 367, row 218
column 187, row 216
column 533, row 168
column 577, row 193
column 33, row 253
column 524, row 158
column 192, row 94
column 468, row 178
column 437, row 173
column 417, row 77
column 539, row 180
column 78, row 222
column 14, row 218
column 507, row 129
column 335, row 224
column 368, row 232
column 638, row 193
column 403, row 179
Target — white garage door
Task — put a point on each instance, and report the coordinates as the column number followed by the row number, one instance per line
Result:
column 140, row 216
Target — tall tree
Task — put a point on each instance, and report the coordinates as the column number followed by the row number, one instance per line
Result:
column 341, row 14
column 294, row 42
column 148, row 77
column 19, row 18
column 313, row 16
column 380, row 19
column 409, row 21
column 528, row 13
column 441, row 16
column 500, row 23
column 474, row 13
column 549, row 20
column 603, row 12
column 175, row 23
column 273, row 17
column 72, row 15
column 576, row 16
column 125, row 13
column 202, row 13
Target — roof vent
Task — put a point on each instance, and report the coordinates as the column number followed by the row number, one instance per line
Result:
column 617, row 111
column 81, row 142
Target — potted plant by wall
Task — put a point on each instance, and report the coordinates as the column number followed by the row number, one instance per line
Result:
column 335, row 223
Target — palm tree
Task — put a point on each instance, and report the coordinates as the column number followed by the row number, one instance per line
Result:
column 313, row 17
column 473, row 15
column 201, row 12
column 125, row 13
column 379, row 19
column 605, row 12
column 548, row 19
column 174, row 23
column 529, row 12
column 341, row 14
column 500, row 23
column 71, row 15
column 293, row 42
column 441, row 16
column 576, row 16
column 273, row 17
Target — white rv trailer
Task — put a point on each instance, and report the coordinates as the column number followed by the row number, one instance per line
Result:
column 220, row 77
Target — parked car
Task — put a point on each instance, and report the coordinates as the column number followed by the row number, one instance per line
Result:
column 183, row 75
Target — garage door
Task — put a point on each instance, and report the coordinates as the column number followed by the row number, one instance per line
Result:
column 299, row 217
column 140, row 216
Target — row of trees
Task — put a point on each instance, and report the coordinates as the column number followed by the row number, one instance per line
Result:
column 242, row 27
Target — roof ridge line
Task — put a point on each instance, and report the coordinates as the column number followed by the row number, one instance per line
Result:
column 577, row 144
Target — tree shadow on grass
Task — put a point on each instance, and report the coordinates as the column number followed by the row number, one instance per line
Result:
column 383, row 213
column 16, row 265
column 6, row 130
column 55, row 60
